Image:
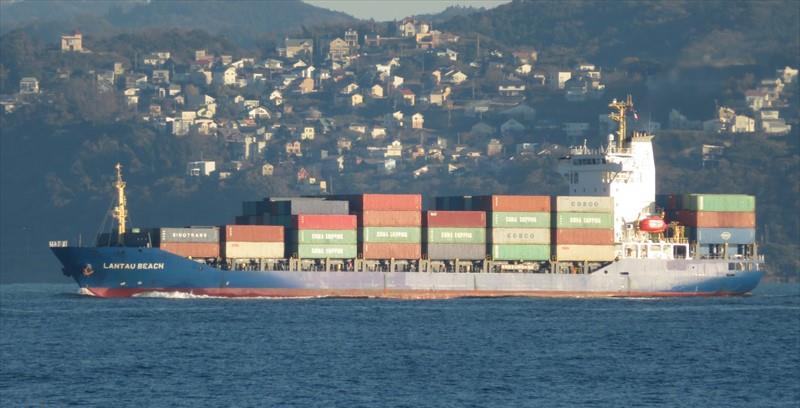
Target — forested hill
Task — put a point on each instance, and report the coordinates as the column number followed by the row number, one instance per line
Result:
column 709, row 32
column 241, row 20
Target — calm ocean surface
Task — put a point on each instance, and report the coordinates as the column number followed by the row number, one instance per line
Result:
column 58, row 348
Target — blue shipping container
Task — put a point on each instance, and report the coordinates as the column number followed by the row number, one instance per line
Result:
column 733, row 236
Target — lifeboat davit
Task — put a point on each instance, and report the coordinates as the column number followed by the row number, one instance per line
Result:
column 653, row 224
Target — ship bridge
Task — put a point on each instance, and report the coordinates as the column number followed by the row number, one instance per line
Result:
column 623, row 169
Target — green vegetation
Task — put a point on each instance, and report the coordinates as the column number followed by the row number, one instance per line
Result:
column 665, row 32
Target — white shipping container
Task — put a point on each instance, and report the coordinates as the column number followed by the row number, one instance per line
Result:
column 526, row 236
column 592, row 253
column 586, row 204
column 254, row 250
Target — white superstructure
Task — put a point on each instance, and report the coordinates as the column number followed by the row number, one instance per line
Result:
column 625, row 170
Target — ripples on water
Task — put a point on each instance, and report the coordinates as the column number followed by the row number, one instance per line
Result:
column 58, row 348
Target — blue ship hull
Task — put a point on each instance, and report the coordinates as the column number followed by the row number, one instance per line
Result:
column 128, row 271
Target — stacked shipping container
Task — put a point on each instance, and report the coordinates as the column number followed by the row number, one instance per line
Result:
column 253, row 242
column 195, row 242
column 452, row 235
column 390, row 225
column 320, row 236
column 584, row 229
column 713, row 220
column 519, row 225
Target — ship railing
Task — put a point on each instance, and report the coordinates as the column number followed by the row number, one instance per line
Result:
column 731, row 257
column 584, row 150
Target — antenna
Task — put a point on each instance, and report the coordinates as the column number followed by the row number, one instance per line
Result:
column 621, row 118
column 121, row 210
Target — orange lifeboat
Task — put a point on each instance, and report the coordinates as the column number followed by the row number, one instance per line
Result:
column 653, row 224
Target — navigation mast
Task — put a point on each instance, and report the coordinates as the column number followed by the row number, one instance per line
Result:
column 620, row 117
column 121, row 210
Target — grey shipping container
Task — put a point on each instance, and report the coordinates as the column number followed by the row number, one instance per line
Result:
column 307, row 205
column 189, row 234
column 456, row 251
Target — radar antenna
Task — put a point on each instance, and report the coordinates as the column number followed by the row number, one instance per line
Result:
column 121, row 210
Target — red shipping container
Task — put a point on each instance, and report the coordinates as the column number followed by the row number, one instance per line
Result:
column 583, row 236
column 513, row 203
column 325, row 222
column 463, row 219
column 391, row 219
column 713, row 219
column 383, row 202
column 391, row 251
column 253, row 233
column 192, row 249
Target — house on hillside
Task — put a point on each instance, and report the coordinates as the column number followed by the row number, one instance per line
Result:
column 224, row 76
column 511, row 88
column 306, row 86
column 417, row 121
column 439, row 95
column 338, row 50
column 376, row 91
column 494, row 148
column 408, row 96
column 72, row 43
column 202, row 168
column 29, row 86
column 295, row 47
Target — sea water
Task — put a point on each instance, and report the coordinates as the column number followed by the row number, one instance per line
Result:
column 60, row 348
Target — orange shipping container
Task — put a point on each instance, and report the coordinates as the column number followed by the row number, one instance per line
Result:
column 583, row 236
column 253, row 233
column 465, row 219
column 712, row 219
column 192, row 249
column 391, row 251
column 391, row 219
column 513, row 203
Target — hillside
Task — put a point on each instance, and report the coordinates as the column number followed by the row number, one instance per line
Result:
column 711, row 32
column 240, row 20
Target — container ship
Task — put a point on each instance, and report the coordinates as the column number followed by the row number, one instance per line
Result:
column 612, row 236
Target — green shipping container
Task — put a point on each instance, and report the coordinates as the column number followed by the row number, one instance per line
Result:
column 520, row 220
column 584, row 220
column 402, row 235
column 520, row 252
column 456, row 235
column 328, row 237
column 719, row 202
column 308, row 251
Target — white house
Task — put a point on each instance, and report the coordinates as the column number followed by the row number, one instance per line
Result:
column 259, row 112
column 29, row 85
column 202, row 168
column 225, row 76
column 394, row 149
column 417, row 121
column 308, row 133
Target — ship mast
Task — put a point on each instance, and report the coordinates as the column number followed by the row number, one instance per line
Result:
column 121, row 210
column 619, row 116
